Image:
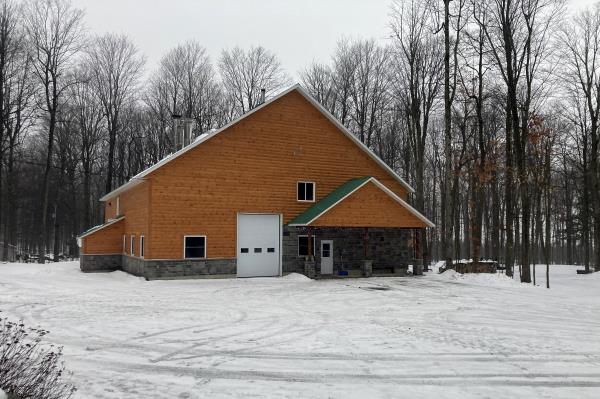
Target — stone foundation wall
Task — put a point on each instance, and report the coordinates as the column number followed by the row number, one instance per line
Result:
column 100, row 263
column 388, row 248
column 158, row 269
column 164, row 269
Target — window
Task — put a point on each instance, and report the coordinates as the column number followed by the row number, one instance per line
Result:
column 118, row 207
column 306, row 191
column 142, row 239
column 124, row 244
column 194, row 247
column 132, row 244
column 303, row 245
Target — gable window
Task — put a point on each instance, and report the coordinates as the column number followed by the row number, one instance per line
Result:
column 194, row 247
column 306, row 191
column 132, row 245
column 303, row 245
column 142, row 239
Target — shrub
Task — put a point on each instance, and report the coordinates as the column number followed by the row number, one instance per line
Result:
column 28, row 367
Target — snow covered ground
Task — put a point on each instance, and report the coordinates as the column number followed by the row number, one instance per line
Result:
column 443, row 336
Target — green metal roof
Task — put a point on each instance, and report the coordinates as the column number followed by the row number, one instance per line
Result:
column 331, row 199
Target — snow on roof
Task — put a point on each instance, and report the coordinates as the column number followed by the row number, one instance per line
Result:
column 99, row 227
column 137, row 179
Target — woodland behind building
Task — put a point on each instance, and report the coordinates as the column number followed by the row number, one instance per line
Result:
column 489, row 109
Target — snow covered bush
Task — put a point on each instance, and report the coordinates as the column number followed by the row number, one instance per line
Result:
column 28, row 368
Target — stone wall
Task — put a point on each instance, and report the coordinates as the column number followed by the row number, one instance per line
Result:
column 183, row 268
column 388, row 248
column 158, row 269
column 100, row 263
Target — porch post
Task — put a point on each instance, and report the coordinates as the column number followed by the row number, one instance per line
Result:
column 418, row 261
column 309, row 261
column 367, row 268
column 310, row 245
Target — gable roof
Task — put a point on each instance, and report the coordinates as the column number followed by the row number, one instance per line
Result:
column 137, row 179
column 343, row 192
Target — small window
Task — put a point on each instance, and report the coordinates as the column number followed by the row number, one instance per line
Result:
column 124, row 244
column 270, row 250
column 306, row 191
column 257, row 250
column 244, row 250
column 326, row 252
column 132, row 245
column 303, row 245
column 118, row 207
column 195, row 247
column 142, row 239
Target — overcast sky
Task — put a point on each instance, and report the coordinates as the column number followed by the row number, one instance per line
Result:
column 298, row 31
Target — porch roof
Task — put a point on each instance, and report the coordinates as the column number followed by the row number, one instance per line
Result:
column 365, row 205
column 94, row 229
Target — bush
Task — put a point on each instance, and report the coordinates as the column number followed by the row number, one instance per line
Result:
column 29, row 368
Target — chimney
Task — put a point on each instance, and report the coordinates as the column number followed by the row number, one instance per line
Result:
column 262, row 96
column 175, row 132
column 188, row 131
column 183, row 129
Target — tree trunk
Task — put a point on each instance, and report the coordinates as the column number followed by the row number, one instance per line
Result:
column 447, row 201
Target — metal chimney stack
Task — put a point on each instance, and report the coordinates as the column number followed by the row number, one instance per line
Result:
column 262, row 96
column 183, row 131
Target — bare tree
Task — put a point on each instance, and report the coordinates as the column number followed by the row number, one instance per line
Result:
column 318, row 79
column 186, row 84
column 55, row 32
column 417, row 80
column 116, row 66
column 246, row 73
column 10, row 45
column 581, row 42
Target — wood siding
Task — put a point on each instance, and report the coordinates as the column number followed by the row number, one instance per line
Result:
column 135, row 205
column 108, row 240
column 369, row 206
column 253, row 166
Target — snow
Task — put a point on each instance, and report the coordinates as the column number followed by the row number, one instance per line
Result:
column 3, row 394
column 440, row 335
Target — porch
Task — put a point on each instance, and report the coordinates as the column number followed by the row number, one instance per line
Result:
column 339, row 252
column 360, row 229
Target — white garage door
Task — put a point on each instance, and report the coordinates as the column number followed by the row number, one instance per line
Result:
column 258, row 245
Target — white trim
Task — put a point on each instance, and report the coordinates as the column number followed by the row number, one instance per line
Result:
column 137, row 179
column 314, row 190
column 98, row 228
column 192, row 236
column 314, row 237
column 389, row 192
column 132, row 245
column 142, row 245
column 280, row 245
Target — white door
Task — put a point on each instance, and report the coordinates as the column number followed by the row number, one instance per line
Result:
column 326, row 257
column 258, row 249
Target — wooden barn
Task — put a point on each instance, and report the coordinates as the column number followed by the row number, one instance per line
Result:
column 284, row 188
